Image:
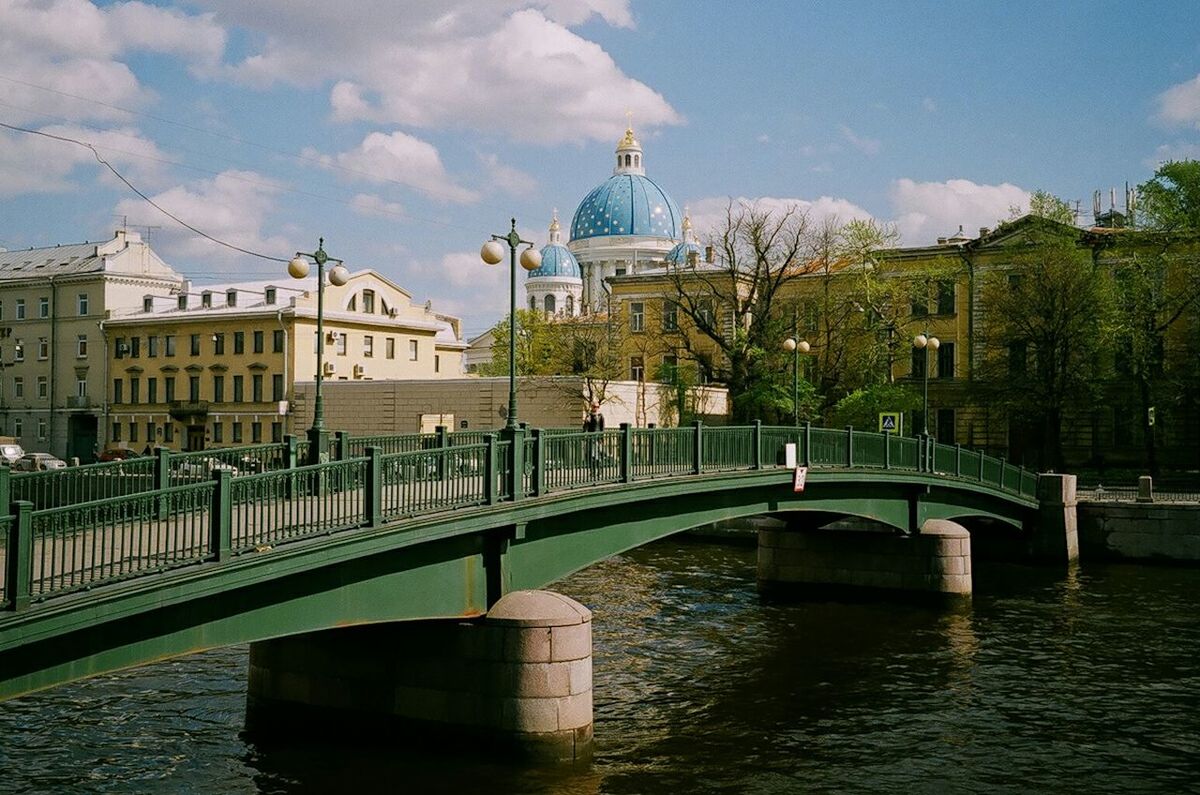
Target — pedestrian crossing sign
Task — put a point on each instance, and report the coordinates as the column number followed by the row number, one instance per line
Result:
column 891, row 422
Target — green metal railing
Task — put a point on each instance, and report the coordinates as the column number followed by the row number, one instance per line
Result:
column 144, row 516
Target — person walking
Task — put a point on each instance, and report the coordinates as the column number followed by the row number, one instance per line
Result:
column 594, row 423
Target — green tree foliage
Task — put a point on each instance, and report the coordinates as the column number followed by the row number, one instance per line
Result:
column 1044, row 204
column 1170, row 200
column 861, row 408
column 534, row 346
column 1048, row 318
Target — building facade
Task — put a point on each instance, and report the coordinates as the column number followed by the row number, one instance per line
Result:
column 54, row 305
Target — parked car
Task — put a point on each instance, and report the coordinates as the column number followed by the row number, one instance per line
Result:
column 38, row 462
column 117, row 454
column 203, row 468
column 10, row 453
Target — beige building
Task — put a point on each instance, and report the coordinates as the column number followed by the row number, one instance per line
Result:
column 216, row 365
column 53, row 308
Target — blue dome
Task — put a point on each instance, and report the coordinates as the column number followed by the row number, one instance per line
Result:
column 557, row 260
column 626, row 204
column 679, row 255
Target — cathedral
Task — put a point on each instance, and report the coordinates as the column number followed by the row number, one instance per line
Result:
column 626, row 225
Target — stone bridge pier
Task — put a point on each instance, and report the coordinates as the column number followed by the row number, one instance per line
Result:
column 517, row 682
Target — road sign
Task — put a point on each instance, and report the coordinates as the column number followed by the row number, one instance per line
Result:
column 1150, row 416
column 891, row 421
column 801, row 476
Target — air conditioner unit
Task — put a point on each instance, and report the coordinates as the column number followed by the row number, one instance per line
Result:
column 328, row 368
column 392, row 312
column 331, row 338
column 359, row 371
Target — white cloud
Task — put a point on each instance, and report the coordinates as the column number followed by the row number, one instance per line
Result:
column 399, row 158
column 868, row 146
column 925, row 211
column 504, row 66
column 511, row 180
column 36, row 164
column 372, row 206
column 480, row 291
column 233, row 207
column 708, row 214
column 1180, row 104
column 1175, row 151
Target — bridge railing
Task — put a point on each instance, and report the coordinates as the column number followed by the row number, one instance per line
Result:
column 108, row 534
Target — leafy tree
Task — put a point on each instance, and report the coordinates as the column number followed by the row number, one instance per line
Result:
column 861, row 408
column 1044, row 204
column 1170, row 200
column 533, row 346
column 1047, row 319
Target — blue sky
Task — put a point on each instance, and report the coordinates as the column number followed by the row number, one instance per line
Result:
column 407, row 132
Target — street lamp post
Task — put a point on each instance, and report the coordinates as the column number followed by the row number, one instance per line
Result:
column 796, row 346
column 318, row 435
column 925, row 341
column 492, row 253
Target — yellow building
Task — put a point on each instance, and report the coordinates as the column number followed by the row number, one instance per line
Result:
column 216, row 365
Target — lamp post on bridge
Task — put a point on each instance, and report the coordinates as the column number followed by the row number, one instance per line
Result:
column 926, row 342
column 318, row 434
column 796, row 346
column 491, row 253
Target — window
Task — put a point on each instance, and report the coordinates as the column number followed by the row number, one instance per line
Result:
column 122, row 347
column 238, row 390
column 368, row 346
column 270, row 295
column 148, row 304
column 670, row 315
column 412, row 350
column 704, row 313
column 945, row 357
column 239, row 343
column 670, row 368
column 237, row 432
column 43, row 348
column 945, row 298
column 118, row 391
column 182, row 301
column 149, row 431
column 369, row 301
column 168, row 432
column 637, row 316
column 570, row 306
column 169, row 345
column 258, row 342
column 218, row 389
column 116, row 432
column 231, row 298
column 437, row 363
column 532, row 304
column 133, row 432
column 42, row 429
column 43, row 307
column 18, row 351
column 920, row 300
column 256, row 432
column 194, row 388
column 277, row 432
column 620, row 270
column 20, row 309
column 81, row 346
column 277, row 387
column 135, row 390
column 918, row 363
column 256, row 388
column 1018, row 356
column 43, row 387
column 277, row 341
column 389, row 347
column 218, row 431
column 135, row 347
column 18, row 387
column 81, row 386
column 151, row 390
column 340, row 344
column 152, row 347
column 169, row 389
column 548, row 305
column 637, row 368
column 206, row 299
column 194, row 344
column 219, row 343
column 17, row 427
column 81, row 304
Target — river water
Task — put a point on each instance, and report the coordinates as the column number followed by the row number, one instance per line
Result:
column 1082, row 681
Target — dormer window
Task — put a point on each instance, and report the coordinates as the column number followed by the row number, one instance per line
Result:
column 148, row 303
column 206, row 299
column 270, row 299
column 231, row 298
column 183, row 300
column 369, row 301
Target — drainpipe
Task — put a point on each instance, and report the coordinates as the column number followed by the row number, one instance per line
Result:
column 54, row 359
column 287, row 390
column 102, row 434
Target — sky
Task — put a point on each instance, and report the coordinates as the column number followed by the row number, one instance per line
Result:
column 406, row 133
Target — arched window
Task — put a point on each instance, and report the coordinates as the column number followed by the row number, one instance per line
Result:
column 549, row 304
column 637, row 160
column 532, row 304
column 570, row 305
column 629, row 160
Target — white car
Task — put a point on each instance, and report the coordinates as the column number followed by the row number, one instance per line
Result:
column 10, row 453
column 204, row 468
column 38, row 462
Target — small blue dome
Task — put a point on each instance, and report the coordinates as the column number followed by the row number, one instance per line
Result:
column 557, row 260
column 626, row 204
column 679, row 255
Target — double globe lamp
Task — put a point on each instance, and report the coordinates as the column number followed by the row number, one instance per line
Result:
column 492, row 253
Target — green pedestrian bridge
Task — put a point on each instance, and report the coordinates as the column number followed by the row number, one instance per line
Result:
column 113, row 565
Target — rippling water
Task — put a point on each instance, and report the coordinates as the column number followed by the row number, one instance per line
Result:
column 1048, row 682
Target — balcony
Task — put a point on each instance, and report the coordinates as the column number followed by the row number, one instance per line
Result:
column 185, row 410
column 79, row 402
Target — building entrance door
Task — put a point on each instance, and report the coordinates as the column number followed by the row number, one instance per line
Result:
column 195, row 437
column 82, row 433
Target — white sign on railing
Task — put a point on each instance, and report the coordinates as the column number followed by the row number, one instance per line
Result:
column 798, row 481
